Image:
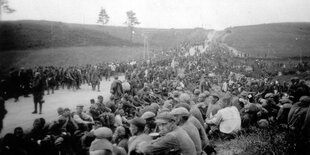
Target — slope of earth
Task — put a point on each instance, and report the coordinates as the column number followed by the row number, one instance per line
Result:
column 30, row 34
column 44, row 34
column 65, row 56
column 270, row 40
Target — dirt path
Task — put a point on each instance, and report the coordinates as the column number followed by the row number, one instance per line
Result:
column 20, row 113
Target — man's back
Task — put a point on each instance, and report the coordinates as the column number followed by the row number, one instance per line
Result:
column 175, row 141
column 193, row 133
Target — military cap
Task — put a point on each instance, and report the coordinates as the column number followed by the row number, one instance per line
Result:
column 304, row 99
column 268, row 95
column 181, row 111
column 176, row 94
column 139, row 122
column 196, row 91
column 164, row 117
column 184, row 97
column 285, row 100
column 148, row 115
column 263, row 123
column 184, row 105
column 103, row 132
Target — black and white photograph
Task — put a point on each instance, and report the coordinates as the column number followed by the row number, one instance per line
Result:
column 154, row 77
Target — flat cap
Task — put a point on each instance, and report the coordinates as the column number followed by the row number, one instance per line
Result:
column 184, row 97
column 285, row 100
column 164, row 117
column 184, row 105
column 148, row 115
column 268, row 95
column 137, row 121
column 181, row 111
column 196, row 91
column 103, row 132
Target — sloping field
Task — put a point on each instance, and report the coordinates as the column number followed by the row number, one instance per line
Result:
column 46, row 34
column 271, row 40
column 66, row 56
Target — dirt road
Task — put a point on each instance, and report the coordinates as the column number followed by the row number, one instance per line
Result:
column 20, row 113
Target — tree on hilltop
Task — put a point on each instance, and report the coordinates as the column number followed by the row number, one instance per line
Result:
column 5, row 8
column 132, row 20
column 103, row 17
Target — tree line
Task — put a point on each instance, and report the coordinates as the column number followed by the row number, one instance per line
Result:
column 131, row 22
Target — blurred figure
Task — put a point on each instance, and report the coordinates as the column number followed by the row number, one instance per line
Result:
column 38, row 92
column 3, row 112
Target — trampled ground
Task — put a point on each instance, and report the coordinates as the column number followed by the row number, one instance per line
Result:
column 20, row 113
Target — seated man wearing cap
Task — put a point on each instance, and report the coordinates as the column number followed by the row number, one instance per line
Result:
column 81, row 117
column 173, row 139
column 150, row 125
column 137, row 128
column 182, row 116
column 102, row 144
column 214, row 106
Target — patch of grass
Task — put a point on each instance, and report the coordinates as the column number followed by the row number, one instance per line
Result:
column 255, row 141
column 31, row 34
column 273, row 40
column 67, row 56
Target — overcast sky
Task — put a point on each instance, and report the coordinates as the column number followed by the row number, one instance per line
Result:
column 215, row 14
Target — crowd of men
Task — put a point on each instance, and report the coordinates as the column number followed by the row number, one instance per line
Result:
column 175, row 104
column 20, row 81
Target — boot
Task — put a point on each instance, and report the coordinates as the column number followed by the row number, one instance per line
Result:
column 40, row 108
column 35, row 108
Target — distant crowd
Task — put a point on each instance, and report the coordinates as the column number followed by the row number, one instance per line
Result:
column 176, row 103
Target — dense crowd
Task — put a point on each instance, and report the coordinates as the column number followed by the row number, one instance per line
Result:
column 19, row 82
column 177, row 103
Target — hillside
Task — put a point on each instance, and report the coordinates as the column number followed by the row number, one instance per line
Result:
column 271, row 40
column 44, row 34
column 20, row 35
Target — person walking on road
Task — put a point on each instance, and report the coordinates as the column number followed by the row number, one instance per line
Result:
column 38, row 92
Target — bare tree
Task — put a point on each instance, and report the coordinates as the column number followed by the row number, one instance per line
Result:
column 103, row 17
column 5, row 8
column 132, row 20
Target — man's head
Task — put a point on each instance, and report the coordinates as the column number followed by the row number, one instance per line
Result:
column 103, row 133
column 201, row 97
column 137, row 125
column 181, row 115
column 60, row 110
column 38, row 123
column 66, row 112
column 100, row 99
column 166, row 122
column 79, row 108
column 213, row 98
column 18, row 132
column 97, row 125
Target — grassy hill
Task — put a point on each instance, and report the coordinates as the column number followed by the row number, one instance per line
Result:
column 19, row 35
column 274, row 40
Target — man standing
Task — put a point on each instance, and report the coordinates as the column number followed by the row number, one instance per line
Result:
column 116, row 88
column 38, row 92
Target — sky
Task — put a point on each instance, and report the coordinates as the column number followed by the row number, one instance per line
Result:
column 209, row 14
